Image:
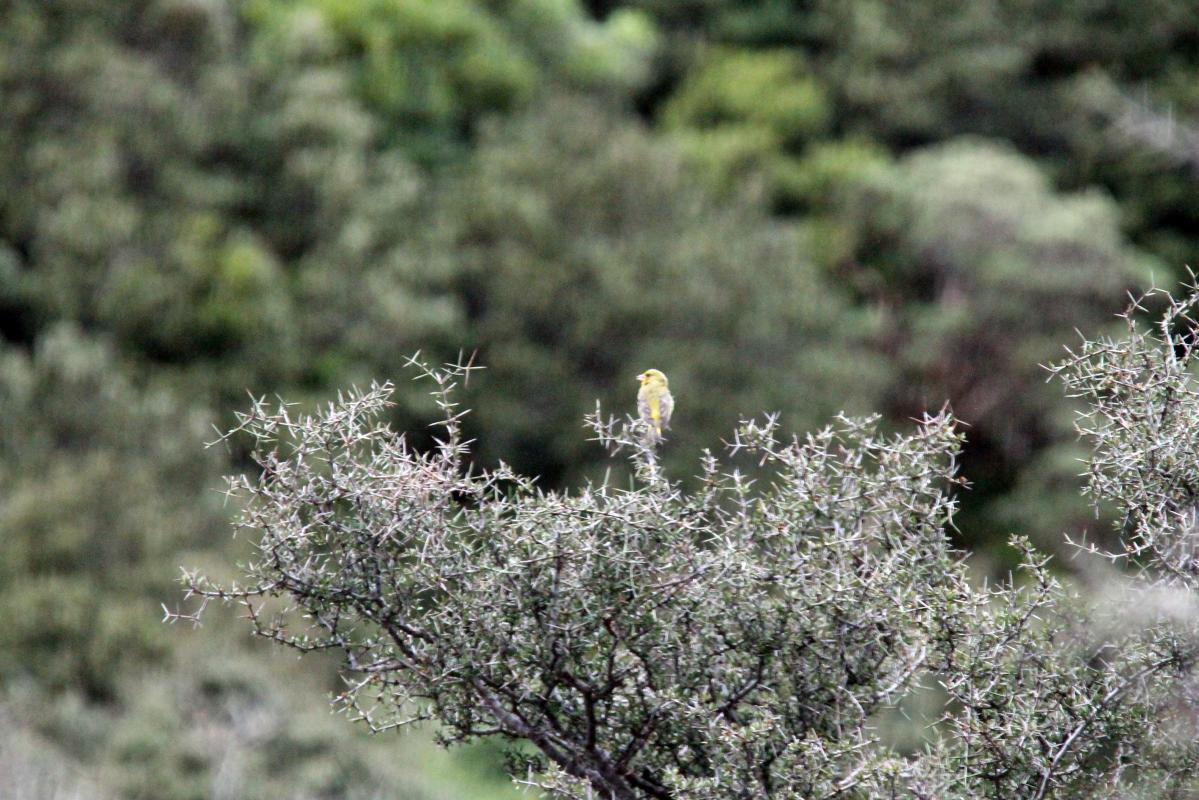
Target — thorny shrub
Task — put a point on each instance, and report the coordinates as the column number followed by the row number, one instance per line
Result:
column 741, row 639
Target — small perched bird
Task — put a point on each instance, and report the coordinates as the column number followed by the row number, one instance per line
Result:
column 655, row 403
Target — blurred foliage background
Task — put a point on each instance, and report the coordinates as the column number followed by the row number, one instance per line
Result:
column 800, row 206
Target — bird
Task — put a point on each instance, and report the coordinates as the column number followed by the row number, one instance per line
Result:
column 655, row 403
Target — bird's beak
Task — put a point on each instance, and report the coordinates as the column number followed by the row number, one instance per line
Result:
column 641, row 377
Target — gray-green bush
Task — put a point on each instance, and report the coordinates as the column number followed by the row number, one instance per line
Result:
column 741, row 641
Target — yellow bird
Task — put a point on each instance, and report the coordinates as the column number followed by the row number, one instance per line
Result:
column 655, row 403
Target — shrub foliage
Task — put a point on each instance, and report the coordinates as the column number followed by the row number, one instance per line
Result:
column 739, row 640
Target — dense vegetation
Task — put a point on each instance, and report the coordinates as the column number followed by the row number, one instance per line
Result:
column 804, row 207
column 742, row 640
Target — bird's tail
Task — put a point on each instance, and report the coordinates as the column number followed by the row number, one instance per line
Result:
column 653, row 433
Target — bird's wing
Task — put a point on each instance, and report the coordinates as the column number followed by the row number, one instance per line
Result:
column 667, row 408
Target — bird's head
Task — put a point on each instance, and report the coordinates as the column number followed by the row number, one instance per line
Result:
column 652, row 377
